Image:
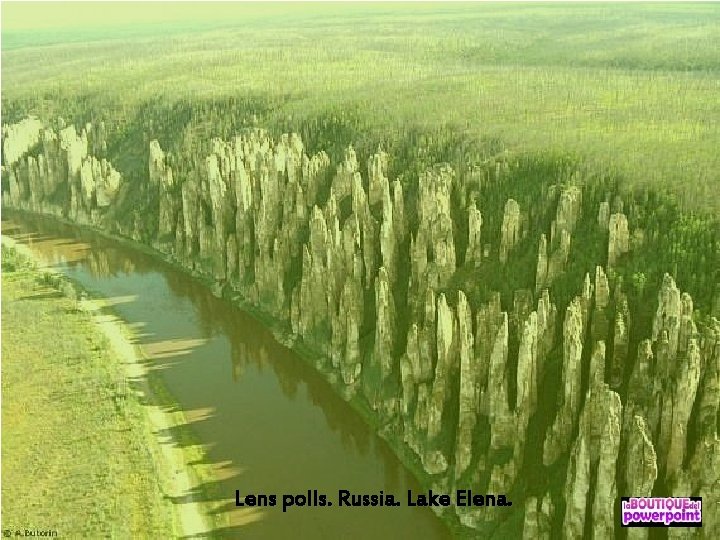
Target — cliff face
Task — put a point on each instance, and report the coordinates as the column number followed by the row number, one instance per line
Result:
column 60, row 177
column 17, row 139
column 364, row 270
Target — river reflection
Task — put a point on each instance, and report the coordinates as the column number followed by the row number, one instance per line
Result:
column 268, row 421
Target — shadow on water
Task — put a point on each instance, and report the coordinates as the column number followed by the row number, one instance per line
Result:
column 266, row 420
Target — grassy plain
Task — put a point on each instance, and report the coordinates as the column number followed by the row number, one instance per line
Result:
column 632, row 88
column 75, row 447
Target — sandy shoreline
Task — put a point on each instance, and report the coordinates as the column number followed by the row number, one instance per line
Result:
column 175, row 475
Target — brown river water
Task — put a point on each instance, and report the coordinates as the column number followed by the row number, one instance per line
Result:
column 268, row 421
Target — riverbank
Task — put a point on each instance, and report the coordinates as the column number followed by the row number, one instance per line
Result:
column 68, row 361
column 283, row 335
column 315, row 359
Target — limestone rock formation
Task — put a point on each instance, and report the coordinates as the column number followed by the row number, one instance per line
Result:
column 541, row 272
column 75, row 147
column 161, row 174
column 398, row 212
column 594, row 455
column 709, row 388
column 641, row 466
column 620, row 345
column 559, row 257
column 434, row 461
column 20, row 137
column 502, row 421
column 604, row 215
column 619, row 241
column 547, row 315
column 667, row 318
column 704, row 474
column 350, row 318
column 452, row 363
column 678, row 406
column 528, row 373
column 576, row 490
column 377, row 167
column 510, row 232
column 435, row 229
column 473, row 254
column 99, row 179
column 602, row 288
column 384, row 349
column 568, row 211
column 63, row 178
column 597, row 365
column 468, row 386
column 538, row 518
column 603, row 518
column 558, row 438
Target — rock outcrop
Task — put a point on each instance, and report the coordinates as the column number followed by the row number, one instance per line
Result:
column 62, row 177
column 593, row 460
column 19, row 138
column 474, row 252
column 619, row 240
column 510, row 232
column 641, row 466
column 538, row 518
column 558, row 438
column 468, row 394
column 459, row 360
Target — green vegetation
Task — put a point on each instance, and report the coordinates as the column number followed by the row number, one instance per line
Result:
column 524, row 103
column 631, row 88
column 75, row 443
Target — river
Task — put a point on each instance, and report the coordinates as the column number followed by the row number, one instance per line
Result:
column 269, row 423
